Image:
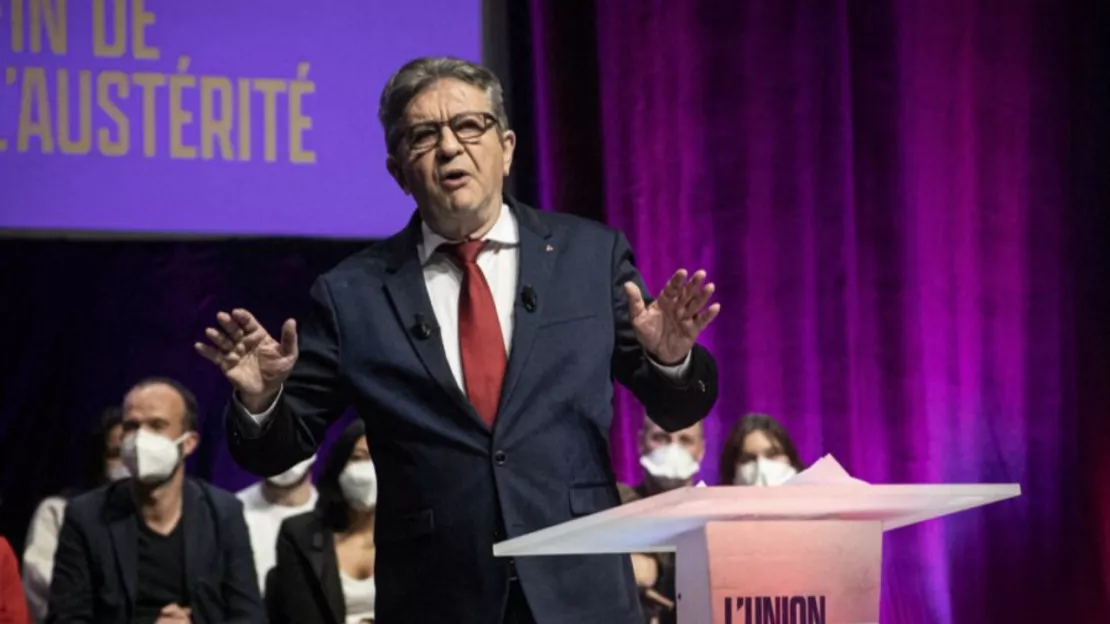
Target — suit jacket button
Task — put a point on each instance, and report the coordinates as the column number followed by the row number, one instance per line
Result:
column 499, row 457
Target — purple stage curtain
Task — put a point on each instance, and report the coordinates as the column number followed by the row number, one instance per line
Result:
column 880, row 192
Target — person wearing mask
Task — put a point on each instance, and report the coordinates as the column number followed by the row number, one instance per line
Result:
column 325, row 558
column 104, row 466
column 480, row 344
column 267, row 503
column 157, row 547
column 758, row 451
column 670, row 460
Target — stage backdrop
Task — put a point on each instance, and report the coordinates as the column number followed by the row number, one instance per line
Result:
column 207, row 116
column 903, row 205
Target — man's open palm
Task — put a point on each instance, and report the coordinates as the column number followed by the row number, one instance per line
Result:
column 248, row 355
column 669, row 326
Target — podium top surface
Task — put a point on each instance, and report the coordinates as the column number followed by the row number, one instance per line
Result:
column 652, row 524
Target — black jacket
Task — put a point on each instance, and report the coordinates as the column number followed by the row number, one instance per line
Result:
column 304, row 586
column 96, row 563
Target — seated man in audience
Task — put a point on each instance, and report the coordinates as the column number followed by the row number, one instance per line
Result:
column 158, row 547
column 267, row 503
column 670, row 461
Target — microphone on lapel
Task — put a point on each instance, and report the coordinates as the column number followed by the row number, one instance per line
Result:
column 528, row 298
column 423, row 330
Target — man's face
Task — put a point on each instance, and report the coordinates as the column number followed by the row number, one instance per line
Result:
column 456, row 182
column 159, row 409
column 692, row 439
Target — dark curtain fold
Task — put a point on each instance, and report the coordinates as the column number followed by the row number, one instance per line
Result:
column 1089, row 194
column 904, row 206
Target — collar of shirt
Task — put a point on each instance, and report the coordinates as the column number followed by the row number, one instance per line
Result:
column 505, row 233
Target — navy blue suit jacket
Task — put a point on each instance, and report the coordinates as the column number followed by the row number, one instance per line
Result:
column 96, row 564
column 449, row 486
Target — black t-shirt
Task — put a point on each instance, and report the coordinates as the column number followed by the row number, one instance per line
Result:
column 161, row 572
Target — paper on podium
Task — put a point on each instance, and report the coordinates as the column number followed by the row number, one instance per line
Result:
column 825, row 471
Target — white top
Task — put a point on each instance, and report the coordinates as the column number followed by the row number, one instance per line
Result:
column 358, row 597
column 263, row 522
column 38, row 554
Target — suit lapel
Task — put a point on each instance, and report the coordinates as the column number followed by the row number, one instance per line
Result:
column 539, row 250
column 325, row 567
column 193, row 518
column 409, row 297
column 124, row 529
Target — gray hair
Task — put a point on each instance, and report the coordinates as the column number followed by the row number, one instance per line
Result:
column 419, row 74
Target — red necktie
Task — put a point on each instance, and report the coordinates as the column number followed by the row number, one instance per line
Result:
column 480, row 341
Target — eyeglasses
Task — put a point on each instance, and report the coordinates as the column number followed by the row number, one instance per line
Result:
column 467, row 128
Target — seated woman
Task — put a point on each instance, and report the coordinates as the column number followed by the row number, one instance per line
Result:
column 103, row 466
column 325, row 558
column 758, row 451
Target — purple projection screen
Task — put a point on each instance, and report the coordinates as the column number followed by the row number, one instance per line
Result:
column 248, row 117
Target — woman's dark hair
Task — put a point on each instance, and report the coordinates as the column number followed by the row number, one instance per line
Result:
column 734, row 444
column 331, row 505
column 96, row 444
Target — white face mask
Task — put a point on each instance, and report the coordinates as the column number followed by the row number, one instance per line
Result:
column 116, row 472
column 670, row 462
column 149, row 457
column 359, row 482
column 294, row 475
column 764, row 472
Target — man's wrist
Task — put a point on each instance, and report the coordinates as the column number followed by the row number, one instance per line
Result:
column 660, row 361
column 257, row 403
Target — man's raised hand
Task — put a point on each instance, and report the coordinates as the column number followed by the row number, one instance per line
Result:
column 250, row 358
column 671, row 324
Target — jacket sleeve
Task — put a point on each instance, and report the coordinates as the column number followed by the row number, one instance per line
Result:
column 71, row 592
column 312, row 398
column 240, row 587
column 673, row 405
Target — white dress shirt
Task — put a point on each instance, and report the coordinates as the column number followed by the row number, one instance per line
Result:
column 500, row 263
column 264, row 520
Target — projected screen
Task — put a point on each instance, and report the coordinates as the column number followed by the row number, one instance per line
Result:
column 236, row 117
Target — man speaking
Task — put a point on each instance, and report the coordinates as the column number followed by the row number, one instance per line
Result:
column 479, row 346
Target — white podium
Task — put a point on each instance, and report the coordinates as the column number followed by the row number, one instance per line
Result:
column 794, row 554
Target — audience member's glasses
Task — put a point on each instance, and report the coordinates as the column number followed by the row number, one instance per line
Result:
column 467, row 128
